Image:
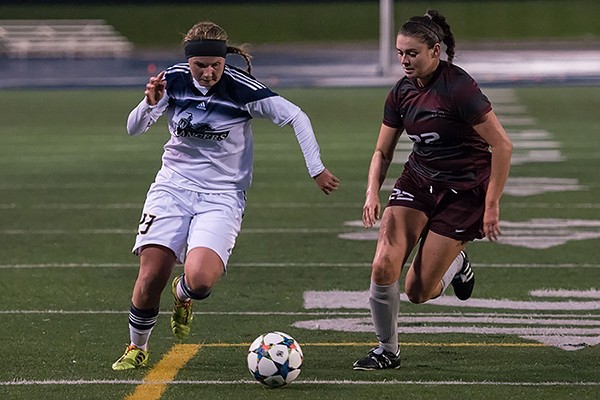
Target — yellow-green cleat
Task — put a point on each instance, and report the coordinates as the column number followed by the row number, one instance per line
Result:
column 181, row 319
column 131, row 359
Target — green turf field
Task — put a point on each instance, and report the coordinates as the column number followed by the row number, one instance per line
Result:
column 71, row 188
column 260, row 22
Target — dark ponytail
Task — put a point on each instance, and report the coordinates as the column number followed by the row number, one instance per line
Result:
column 432, row 28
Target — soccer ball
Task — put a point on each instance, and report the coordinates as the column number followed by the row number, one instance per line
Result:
column 274, row 359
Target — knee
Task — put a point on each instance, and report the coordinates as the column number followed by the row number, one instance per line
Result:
column 384, row 272
column 415, row 297
column 415, row 293
column 419, row 293
column 200, row 282
column 197, row 289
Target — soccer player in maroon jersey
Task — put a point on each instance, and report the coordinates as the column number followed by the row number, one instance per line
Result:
column 449, row 191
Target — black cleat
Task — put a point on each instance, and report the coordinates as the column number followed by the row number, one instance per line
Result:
column 373, row 361
column 464, row 281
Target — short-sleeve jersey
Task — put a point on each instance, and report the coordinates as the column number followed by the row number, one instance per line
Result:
column 211, row 143
column 439, row 119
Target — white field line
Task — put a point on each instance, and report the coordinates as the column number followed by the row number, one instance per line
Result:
column 284, row 265
column 366, row 326
column 67, row 232
column 510, row 109
column 507, row 318
column 69, row 265
column 586, row 294
column 64, row 186
column 299, row 183
column 118, row 231
column 232, row 313
column 552, row 205
column 339, row 299
column 500, row 320
column 119, row 206
column 135, row 206
column 87, row 206
column 83, row 382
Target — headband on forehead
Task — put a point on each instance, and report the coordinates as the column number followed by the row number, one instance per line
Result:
column 430, row 29
column 205, row 47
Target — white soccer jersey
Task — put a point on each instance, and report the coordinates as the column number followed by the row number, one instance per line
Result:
column 211, row 144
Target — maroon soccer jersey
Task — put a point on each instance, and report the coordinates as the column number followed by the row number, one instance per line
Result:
column 439, row 119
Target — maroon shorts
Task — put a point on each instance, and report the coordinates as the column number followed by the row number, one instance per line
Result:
column 457, row 214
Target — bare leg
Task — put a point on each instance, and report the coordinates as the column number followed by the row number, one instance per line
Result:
column 400, row 230
column 435, row 255
column 156, row 265
column 203, row 268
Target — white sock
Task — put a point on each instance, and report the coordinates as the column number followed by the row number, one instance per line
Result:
column 384, row 301
column 141, row 323
column 139, row 338
column 180, row 292
column 452, row 271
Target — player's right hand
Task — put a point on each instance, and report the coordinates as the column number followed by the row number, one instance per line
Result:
column 327, row 182
column 155, row 89
column 371, row 211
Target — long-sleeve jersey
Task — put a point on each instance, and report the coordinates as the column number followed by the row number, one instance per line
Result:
column 211, row 143
column 439, row 119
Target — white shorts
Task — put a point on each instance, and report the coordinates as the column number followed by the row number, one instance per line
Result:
column 182, row 220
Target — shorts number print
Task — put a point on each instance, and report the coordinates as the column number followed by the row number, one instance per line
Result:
column 180, row 219
column 401, row 195
column 146, row 223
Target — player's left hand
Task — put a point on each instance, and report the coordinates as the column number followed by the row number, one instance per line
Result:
column 326, row 181
column 491, row 223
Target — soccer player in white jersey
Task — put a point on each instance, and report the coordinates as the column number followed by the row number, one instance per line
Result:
column 193, row 210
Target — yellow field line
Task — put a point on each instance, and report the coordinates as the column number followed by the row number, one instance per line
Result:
column 408, row 344
column 155, row 382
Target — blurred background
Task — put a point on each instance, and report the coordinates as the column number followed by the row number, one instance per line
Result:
column 294, row 43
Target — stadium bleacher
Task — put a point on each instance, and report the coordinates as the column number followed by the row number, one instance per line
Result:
column 68, row 38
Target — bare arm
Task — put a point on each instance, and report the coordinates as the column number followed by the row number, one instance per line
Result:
column 380, row 162
column 493, row 133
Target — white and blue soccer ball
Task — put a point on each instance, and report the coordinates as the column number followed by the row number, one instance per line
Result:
column 275, row 359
